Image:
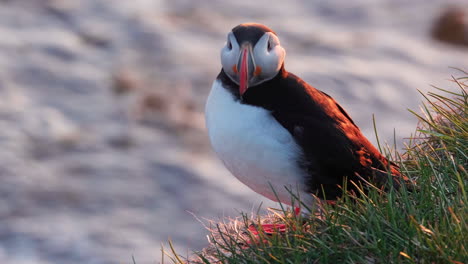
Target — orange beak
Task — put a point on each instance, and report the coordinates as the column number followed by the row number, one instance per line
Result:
column 244, row 71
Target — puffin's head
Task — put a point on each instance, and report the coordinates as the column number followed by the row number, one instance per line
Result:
column 252, row 55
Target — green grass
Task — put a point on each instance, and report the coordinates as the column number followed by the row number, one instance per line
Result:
column 425, row 223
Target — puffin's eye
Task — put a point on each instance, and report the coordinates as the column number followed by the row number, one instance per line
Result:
column 270, row 45
column 229, row 44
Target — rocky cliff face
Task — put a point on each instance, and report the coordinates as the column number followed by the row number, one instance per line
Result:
column 102, row 142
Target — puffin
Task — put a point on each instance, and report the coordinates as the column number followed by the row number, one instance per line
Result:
column 281, row 136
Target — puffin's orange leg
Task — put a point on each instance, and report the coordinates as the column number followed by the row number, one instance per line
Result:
column 270, row 229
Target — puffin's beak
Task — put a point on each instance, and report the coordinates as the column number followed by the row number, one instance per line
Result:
column 247, row 66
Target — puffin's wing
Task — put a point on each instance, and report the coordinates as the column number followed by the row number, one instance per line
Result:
column 338, row 106
column 332, row 144
column 379, row 163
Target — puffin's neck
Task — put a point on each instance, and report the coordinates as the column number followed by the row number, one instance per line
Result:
column 263, row 95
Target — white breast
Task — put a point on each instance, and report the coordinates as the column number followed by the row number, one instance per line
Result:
column 254, row 146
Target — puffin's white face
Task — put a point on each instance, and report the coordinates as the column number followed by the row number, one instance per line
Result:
column 249, row 64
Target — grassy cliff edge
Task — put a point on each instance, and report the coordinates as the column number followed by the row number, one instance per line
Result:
column 421, row 223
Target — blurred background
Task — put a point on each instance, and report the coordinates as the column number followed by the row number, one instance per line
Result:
column 103, row 150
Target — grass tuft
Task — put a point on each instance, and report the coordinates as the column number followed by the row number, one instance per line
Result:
column 425, row 223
